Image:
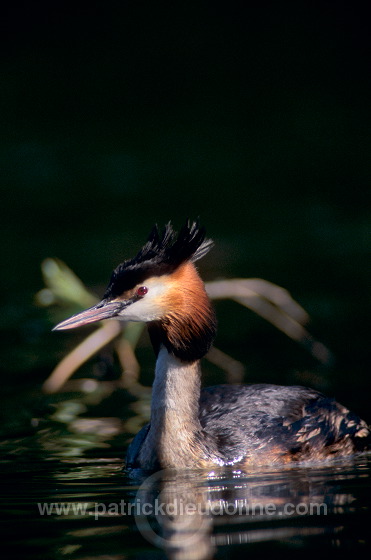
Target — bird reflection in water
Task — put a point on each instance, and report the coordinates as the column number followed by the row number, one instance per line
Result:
column 189, row 516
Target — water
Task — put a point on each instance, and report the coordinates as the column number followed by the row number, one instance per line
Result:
column 66, row 495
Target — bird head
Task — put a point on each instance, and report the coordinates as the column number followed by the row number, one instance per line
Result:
column 160, row 284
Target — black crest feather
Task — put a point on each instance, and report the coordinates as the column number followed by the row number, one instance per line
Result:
column 163, row 253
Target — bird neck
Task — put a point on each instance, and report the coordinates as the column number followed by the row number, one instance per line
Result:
column 180, row 338
column 176, row 387
column 174, row 436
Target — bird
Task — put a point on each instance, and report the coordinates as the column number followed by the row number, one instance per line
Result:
column 243, row 426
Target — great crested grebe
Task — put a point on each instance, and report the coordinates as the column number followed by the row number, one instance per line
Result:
column 241, row 425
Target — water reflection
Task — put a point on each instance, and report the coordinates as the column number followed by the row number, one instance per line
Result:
column 89, row 508
column 171, row 511
column 193, row 515
column 66, row 495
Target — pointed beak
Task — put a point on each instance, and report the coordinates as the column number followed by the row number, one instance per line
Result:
column 103, row 310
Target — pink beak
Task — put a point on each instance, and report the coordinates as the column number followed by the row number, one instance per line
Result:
column 103, row 310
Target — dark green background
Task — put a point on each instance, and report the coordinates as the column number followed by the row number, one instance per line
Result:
column 123, row 114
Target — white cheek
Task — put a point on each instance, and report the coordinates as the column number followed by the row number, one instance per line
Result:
column 141, row 311
column 148, row 308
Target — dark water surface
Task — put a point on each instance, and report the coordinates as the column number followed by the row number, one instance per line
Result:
column 66, row 495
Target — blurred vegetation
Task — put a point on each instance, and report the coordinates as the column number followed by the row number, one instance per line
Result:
column 258, row 122
column 267, row 300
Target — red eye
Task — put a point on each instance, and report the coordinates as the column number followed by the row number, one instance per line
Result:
column 142, row 291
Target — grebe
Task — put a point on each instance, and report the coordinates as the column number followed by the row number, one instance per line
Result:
column 241, row 425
